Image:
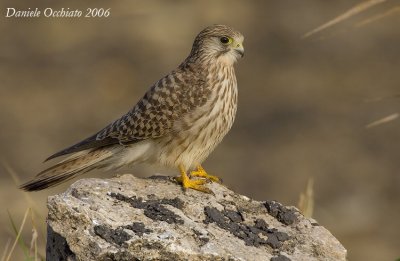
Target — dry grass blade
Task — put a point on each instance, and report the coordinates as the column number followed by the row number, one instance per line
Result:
column 34, row 248
column 3, row 258
column 18, row 235
column 16, row 180
column 35, row 235
column 33, row 212
column 377, row 17
column 10, row 171
column 306, row 201
column 346, row 15
column 386, row 119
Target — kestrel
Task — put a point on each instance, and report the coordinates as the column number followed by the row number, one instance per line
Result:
column 177, row 123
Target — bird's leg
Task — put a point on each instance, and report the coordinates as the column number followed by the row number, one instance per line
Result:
column 196, row 184
column 200, row 172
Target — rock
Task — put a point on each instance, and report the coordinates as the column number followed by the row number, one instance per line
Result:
column 128, row 218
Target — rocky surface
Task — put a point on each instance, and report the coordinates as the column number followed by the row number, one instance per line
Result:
column 128, row 218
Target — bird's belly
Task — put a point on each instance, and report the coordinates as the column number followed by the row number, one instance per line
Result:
column 192, row 146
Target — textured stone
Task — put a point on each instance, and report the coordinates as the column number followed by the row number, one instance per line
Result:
column 128, row 218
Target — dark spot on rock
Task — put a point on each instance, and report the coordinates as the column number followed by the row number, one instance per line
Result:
column 281, row 213
column 234, row 216
column 151, row 196
column 175, row 202
column 160, row 213
column 204, row 240
column 216, row 216
column 315, row 224
column 154, row 209
column 138, row 228
column 160, row 177
column 273, row 241
column 252, row 235
column 280, row 258
column 282, row 236
column 201, row 237
column 57, row 247
column 261, row 224
column 120, row 256
column 79, row 193
column 74, row 192
column 114, row 236
column 94, row 245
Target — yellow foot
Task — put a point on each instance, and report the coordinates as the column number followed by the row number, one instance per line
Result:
column 196, row 184
column 201, row 173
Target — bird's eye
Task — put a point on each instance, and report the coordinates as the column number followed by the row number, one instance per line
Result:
column 225, row 40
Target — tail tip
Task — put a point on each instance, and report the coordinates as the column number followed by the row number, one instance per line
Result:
column 32, row 186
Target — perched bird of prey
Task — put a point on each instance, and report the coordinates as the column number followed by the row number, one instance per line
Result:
column 177, row 123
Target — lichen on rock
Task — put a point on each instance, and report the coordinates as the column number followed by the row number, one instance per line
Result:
column 128, row 218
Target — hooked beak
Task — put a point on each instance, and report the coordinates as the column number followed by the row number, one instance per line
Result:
column 239, row 49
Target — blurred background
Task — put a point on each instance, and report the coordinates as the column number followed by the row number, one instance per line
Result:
column 304, row 103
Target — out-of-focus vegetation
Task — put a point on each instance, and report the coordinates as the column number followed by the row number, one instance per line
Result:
column 304, row 103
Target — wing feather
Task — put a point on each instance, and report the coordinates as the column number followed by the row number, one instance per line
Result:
column 167, row 101
column 154, row 115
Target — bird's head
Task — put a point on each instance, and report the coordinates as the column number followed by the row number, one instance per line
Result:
column 218, row 42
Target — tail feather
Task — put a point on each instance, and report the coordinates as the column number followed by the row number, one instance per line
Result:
column 67, row 169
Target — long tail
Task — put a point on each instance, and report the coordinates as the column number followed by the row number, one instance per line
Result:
column 77, row 164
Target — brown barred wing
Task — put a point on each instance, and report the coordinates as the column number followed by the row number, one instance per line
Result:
column 166, row 102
